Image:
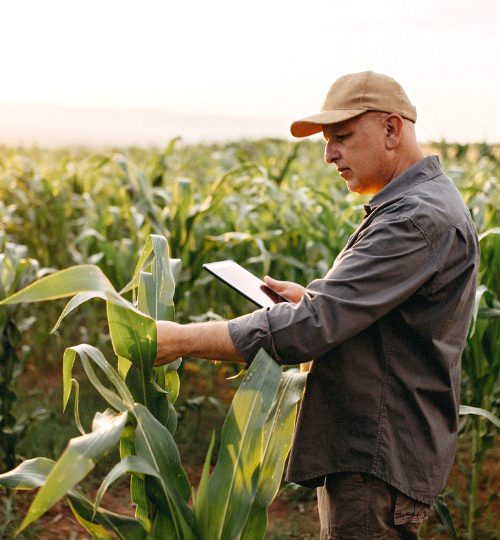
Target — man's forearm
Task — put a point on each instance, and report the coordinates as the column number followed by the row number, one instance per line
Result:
column 210, row 340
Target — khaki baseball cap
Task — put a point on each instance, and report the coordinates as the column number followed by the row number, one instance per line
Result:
column 353, row 95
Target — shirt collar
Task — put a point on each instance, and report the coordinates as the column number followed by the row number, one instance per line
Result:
column 424, row 169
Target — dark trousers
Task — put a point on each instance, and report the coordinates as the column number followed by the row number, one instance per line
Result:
column 359, row 506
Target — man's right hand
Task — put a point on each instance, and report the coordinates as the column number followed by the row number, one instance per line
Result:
column 292, row 292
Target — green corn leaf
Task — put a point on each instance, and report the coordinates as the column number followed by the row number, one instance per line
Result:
column 480, row 293
column 146, row 293
column 164, row 528
column 133, row 336
column 123, row 366
column 172, row 385
column 163, row 277
column 443, row 515
column 68, row 282
column 494, row 230
column 76, row 462
column 156, row 288
column 76, row 301
column 143, row 187
column 76, row 407
column 123, row 527
column 166, row 270
column 97, row 531
column 232, row 485
column 33, row 473
column 277, row 439
column 277, row 435
column 137, row 485
column 256, row 524
column 466, row 409
column 86, row 353
column 130, row 464
column 30, row 474
column 200, row 497
column 83, row 282
column 141, row 263
column 155, row 444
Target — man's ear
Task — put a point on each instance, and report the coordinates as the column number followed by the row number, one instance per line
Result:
column 393, row 131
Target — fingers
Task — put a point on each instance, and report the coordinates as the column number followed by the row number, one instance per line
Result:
column 273, row 283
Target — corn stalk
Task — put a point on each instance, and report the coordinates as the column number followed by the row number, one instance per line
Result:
column 256, row 437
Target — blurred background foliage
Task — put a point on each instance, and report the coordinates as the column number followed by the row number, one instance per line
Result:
column 271, row 205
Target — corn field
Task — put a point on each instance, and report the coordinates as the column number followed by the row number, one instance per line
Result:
column 132, row 227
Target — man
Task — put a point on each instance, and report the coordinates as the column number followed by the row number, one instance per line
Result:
column 386, row 326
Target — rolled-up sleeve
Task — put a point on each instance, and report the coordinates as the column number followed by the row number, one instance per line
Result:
column 388, row 262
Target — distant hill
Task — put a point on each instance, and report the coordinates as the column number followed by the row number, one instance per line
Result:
column 51, row 125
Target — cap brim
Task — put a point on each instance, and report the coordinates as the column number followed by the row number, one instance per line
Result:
column 314, row 124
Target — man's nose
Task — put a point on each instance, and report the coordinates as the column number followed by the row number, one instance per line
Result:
column 332, row 154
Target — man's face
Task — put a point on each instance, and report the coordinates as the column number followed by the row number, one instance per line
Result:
column 357, row 147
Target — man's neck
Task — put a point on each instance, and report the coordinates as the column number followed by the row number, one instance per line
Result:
column 406, row 161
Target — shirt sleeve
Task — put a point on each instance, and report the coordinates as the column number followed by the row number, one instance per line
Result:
column 389, row 261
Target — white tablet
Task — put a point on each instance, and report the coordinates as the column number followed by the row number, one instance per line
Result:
column 246, row 283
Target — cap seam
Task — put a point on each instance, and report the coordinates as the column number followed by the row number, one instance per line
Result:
column 365, row 89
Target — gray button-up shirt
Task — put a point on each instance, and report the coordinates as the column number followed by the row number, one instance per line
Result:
column 386, row 326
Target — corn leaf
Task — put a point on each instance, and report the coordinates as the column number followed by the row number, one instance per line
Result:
column 129, row 464
column 68, row 282
column 155, row 444
column 133, row 336
column 494, row 230
column 33, row 473
column 200, row 497
column 466, row 409
column 164, row 528
column 277, row 439
column 232, row 486
column 442, row 513
column 123, row 527
column 86, row 353
column 76, row 462
column 97, row 531
column 76, row 301
column 481, row 291
column 30, row 474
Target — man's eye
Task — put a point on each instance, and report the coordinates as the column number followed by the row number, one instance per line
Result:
column 340, row 138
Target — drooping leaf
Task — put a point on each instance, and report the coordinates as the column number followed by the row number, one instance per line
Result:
column 76, row 462
column 33, row 473
column 480, row 292
column 68, row 282
column 30, row 474
column 129, row 464
column 123, row 527
column 494, row 230
column 466, row 409
column 76, row 301
column 88, row 352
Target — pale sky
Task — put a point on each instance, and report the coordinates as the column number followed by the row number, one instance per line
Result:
column 259, row 60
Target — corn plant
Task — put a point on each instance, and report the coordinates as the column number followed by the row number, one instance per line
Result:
column 15, row 271
column 229, row 503
column 481, row 369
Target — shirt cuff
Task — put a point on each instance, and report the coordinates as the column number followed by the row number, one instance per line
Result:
column 252, row 332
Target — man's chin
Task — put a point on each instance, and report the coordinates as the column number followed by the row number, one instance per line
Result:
column 353, row 186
